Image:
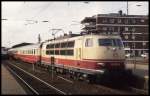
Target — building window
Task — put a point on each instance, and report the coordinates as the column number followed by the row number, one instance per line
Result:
column 144, row 43
column 105, row 28
column 126, row 37
column 89, row 42
column 126, row 21
column 104, row 21
column 133, row 29
column 112, row 20
column 126, row 29
column 111, row 29
column 142, row 20
column 119, row 21
column 133, row 21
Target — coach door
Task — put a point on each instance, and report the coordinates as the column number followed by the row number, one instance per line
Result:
column 79, row 50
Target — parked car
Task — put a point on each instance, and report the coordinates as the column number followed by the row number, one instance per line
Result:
column 128, row 55
column 145, row 55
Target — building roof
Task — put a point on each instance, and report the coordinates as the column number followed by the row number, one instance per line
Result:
column 114, row 15
column 87, row 19
column 21, row 44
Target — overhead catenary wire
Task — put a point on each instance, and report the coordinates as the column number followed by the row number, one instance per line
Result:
column 42, row 10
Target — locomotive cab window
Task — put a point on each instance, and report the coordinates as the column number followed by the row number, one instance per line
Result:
column 110, row 42
column 89, row 42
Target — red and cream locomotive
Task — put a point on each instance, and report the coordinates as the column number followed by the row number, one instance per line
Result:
column 85, row 56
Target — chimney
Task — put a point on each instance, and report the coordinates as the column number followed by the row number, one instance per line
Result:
column 70, row 33
column 120, row 12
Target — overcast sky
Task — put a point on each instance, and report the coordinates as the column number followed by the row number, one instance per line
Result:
column 59, row 14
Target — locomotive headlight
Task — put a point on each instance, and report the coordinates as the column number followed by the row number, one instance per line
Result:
column 102, row 64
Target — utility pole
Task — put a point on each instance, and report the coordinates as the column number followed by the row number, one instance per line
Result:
column 39, row 38
column 53, row 58
column 127, row 8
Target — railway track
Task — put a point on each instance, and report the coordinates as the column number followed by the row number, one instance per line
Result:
column 36, row 85
column 60, row 84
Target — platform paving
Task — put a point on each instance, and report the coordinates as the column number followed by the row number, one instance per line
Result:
column 9, row 83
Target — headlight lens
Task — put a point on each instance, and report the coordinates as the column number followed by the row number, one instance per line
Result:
column 102, row 64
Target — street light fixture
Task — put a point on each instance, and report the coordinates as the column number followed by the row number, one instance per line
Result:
column 4, row 19
column 45, row 21
column 139, row 5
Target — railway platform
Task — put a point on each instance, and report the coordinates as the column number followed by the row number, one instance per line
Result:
column 9, row 84
column 141, row 71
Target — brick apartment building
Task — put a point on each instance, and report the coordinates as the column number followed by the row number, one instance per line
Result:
column 132, row 28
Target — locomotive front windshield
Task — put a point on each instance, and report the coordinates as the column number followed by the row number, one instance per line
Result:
column 110, row 42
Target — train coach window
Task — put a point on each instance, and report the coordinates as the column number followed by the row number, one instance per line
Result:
column 71, row 44
column 47, row 52
column 64, row 45
column 57, row 45
column 89, row 42
column 47, row 46
column 51, row 46
column 51, row 52
column 62, row 52
column 56, row 52
column 69, row 52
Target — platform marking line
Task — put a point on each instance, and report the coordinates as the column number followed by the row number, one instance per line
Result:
column 65, row 79
column 40, row 80
column 24, row 81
